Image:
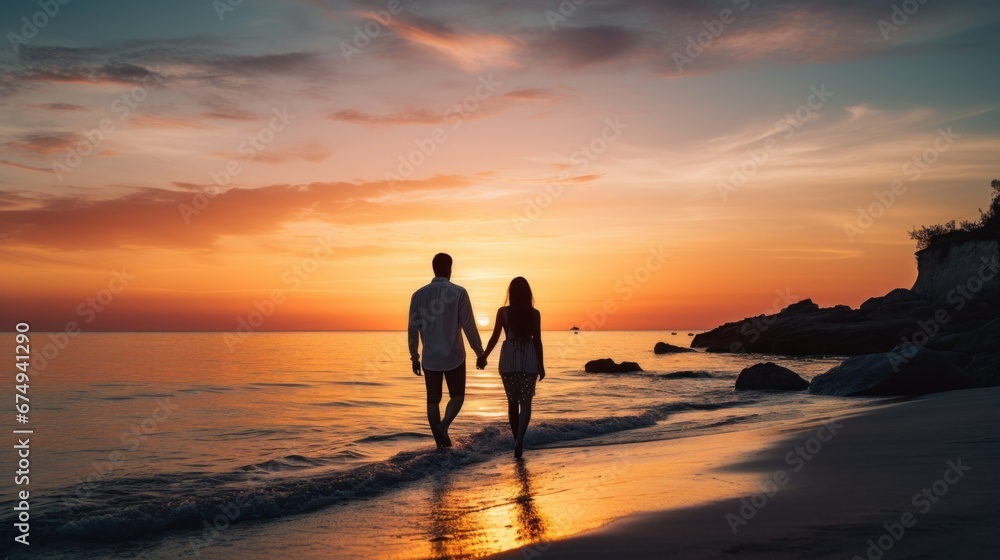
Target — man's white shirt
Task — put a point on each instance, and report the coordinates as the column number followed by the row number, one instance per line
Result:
column 437, row 310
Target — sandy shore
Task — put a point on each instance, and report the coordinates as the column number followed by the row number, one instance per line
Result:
column 824, row 487
column 911, row 479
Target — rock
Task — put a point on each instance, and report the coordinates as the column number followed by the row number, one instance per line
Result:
column 953, row 307
column 770, row 377
column 607, row 365
column 899, row 295
column 985, row 369
column 664, row 348
column 953, row 259
column 802, row 329
column 804, row 306
column 894, row 373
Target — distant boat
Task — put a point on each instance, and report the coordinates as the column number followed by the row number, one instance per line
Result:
column 575, row 328
column 673, row 333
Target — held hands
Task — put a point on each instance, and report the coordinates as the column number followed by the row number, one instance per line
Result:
column 481, row 362
column 416, row 367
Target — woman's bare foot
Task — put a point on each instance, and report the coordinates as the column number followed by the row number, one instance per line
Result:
column 437, row 438
column 442, row 430
column 518, row 449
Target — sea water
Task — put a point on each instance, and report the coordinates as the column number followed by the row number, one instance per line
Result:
column 145, row 437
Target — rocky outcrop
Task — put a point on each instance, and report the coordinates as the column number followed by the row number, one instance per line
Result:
column 770, row 377
column 664, row 348
column 895, row 373
column 943, row 334
column 804, row 306
column 607, row 365
column 956, row 260
column 805, row 329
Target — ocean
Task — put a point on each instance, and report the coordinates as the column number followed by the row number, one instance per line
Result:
column 165, row 445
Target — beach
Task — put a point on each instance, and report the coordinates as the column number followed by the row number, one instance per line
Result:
column 654, row 463
column 904, row 480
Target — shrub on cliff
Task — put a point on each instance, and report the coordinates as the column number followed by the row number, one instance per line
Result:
column 988, row 220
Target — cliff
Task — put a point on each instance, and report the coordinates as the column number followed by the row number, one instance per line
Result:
column 953, row 309
column 955, row 261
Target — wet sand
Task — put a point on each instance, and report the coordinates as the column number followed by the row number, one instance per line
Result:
column 910, row 479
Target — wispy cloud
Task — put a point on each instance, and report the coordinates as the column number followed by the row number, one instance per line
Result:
column 577, row 47
column 470, row 50
column 151, row 217
column 172, row 64
column 59, row 107
column 531, row 94
column 42, row 143
column 410, row 116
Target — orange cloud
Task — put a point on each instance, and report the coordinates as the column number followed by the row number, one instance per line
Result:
column 410, row 116
column 153, row 217
column 164, row 121
column 471, row 51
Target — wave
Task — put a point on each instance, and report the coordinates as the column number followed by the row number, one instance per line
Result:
column 686, row 375
column 143, row 507
column 393, row 437
column 670, row 375
column 349, row 404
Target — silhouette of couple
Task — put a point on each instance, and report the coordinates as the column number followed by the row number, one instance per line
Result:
column 439, row 312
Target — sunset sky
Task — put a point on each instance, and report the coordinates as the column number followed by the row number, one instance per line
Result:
column 592, row 152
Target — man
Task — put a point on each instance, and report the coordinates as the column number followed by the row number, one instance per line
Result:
column 439, row 312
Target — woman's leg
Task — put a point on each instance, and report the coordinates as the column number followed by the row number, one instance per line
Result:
column 522, row 426
column 512, row 416
column 510, row 389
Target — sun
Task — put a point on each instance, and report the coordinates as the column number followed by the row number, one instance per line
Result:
column 483, row 320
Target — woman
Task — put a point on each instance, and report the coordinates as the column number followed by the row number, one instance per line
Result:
column 520, row 356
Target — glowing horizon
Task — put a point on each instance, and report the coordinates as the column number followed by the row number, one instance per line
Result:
column 311, row 157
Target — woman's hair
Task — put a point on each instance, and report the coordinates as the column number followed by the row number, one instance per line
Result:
column 521, row 304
